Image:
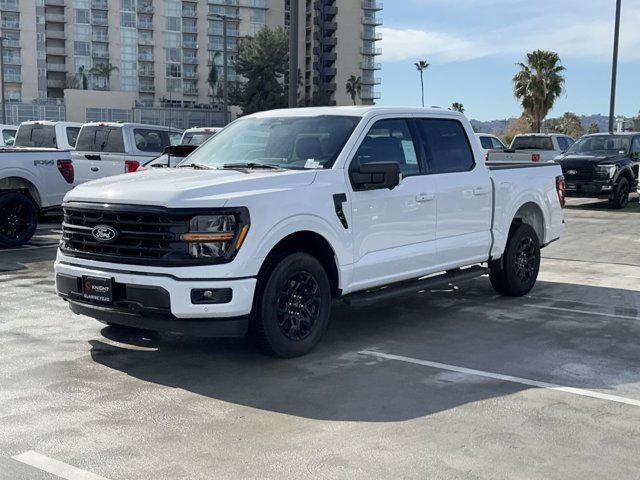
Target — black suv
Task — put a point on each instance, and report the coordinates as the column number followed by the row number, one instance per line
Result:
column 603, row 165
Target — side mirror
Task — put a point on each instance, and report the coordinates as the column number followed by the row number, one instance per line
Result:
column 376, row 176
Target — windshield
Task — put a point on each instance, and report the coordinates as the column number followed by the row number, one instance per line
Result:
column 532, row 143
column 35, row 135
column 194, row 138
column 602, row 145
column 286, row 142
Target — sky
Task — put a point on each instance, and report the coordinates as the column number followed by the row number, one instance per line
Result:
column 473, row 46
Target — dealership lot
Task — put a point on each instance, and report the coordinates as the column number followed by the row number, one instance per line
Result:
column 456, row 383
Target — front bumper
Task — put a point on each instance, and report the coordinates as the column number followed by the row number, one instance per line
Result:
column 159, row 302
column 589, row 189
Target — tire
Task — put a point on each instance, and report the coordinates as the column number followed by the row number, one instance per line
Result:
column 620, row 198
column 515, row 274
column 18, row 219
column 292, row 307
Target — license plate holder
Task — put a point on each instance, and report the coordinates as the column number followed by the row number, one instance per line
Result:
column 97, row 289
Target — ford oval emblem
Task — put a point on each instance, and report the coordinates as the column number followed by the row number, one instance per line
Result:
column 104, row 233
column 572, row 172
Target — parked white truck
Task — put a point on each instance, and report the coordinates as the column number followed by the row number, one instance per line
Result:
column 47, row 134
column 32, row 180
column 259, row 228
column 532, row 147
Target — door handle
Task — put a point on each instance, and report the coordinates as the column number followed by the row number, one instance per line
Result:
column 425, row 197
column 94, row 169
column 479, row 191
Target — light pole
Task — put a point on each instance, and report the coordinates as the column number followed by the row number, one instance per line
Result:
column 293, row 55
column 225, row 76
column 4, row 110
column 614, row 71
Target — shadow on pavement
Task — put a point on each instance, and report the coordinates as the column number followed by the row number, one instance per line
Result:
column 467, row 326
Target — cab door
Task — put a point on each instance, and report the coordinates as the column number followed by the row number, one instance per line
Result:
column 463, row 190
column 393, row 229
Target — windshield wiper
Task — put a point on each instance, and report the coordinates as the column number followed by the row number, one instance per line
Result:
column 251, row 166
column 196, row 166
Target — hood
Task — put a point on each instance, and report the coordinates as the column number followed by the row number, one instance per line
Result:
column 587, row 161
column 187, row 188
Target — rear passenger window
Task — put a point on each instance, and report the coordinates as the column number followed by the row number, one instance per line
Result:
column 100, row 139
column 446, row 146
column 389, row 141
column 486, row 143
column 150, row 140
column 72, row 135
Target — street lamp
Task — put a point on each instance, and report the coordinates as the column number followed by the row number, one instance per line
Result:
column 614, row 71
column 4, row 111
column 225, row 77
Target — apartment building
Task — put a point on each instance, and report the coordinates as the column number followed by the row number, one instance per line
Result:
column 162, row 51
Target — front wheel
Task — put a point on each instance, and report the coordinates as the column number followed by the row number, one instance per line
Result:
column 293, row 306
column 516, row 272
column 18, row 219
column 620, row 198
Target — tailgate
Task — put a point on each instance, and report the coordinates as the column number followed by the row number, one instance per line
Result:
column 512, row 156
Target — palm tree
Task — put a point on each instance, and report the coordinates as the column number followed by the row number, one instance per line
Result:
column 421, row 66
column 458, row 107
column 105, row 70
column 538, row 85
column 81, row 81
column 354, row 87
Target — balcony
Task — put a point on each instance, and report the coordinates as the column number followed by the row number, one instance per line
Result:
column 56, row 67
column 12, row 77
column 146, row 72
column 145, row 57
column 6, row 23
column 190, row 12
column 147, row 88
column 145, row 8
column 374, row 21
column 56, row 51
column 370, row 65
column 99, row 20
column 9, row 6
column 145, row 25
column 11, row 43
column 99, row 5
column 371, row 80
column 55, row 83
column 55, row 3
column 193, row 45
column 370, row 51
column 190, row 91
column 372, row 5
column 54, row 17
column 100, row 38
column 190, row 60
column 146, row 41
column 190, row 75
column 189, row 28
column 57, row 34
column 371, row 37
column 100, row 54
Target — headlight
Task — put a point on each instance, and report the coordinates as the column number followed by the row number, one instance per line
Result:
column 607, row 170
column 217, row 237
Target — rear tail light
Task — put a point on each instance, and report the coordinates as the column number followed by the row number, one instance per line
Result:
column 561, row 188
column 486, row 157
column 535, row 157
column 65, row 167
column 131, row 166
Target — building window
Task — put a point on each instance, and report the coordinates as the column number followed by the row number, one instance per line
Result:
column 83, row 16
column 128, row 19
column 82, row 49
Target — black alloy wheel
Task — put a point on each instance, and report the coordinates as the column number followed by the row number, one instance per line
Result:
column 299, row 306
column 620, row 197
column 18, row 219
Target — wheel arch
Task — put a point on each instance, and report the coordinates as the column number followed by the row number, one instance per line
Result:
column 311, row 242
column 531, row 214
column 17, row 183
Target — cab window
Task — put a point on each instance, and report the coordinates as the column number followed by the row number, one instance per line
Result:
column 486, row 143
column 446, row 146
column 148, row 140
column 389, row 141
column 8, row 136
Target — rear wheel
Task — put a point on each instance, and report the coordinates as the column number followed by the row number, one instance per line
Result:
column 293, row 306
column 620, row 197
column 18, row 219
column 516, row 272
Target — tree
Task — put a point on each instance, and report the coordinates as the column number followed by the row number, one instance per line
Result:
column 354, row 87
column 517, row 127
column 104, row 70
column 458, row 107
column 538, row 85
column 264, row 61
column 81, row 81
column 568, row 124
column 421, row 66
column 593, row 128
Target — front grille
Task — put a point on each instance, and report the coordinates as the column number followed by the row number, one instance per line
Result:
column 581, row 175
column 144, row 234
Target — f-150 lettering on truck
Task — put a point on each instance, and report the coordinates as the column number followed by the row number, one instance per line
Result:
column 258, row 229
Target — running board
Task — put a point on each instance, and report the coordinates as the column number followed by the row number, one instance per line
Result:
column 367, row 297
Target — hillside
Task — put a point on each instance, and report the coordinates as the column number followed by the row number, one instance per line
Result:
column 501, row 125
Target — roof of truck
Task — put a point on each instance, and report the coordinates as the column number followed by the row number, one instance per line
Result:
column 130, row 124
column 354, row 111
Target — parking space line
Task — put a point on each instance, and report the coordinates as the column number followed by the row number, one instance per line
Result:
column 585, row 312
column 506, row 378
column 55, row 467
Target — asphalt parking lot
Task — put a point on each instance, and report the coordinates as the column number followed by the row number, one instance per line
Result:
column 455, row 383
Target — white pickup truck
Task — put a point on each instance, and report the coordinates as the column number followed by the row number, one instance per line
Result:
column 32, row 180
column 532, row 147
column 258, row 229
